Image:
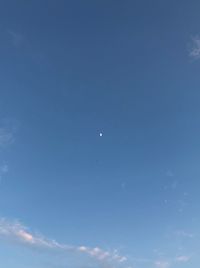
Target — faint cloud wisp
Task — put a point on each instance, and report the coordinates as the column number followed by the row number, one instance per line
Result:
column 6, row 137
column 162, row 264
column 8, row 129
column 182, row 233
column 195, row 49
column 3, row 170
column 182, row 258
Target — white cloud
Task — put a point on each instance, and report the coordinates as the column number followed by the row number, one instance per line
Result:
column 162, row 264
column 182, row 258
column 17, row 232
column 195, row 50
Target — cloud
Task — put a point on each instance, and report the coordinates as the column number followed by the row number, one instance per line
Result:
column 195, row 50
column 8, row 129
column 169, row 173
column 101, row 254
column 182, row 258
column 6, row 137
column 162, row 264
column 3, row 170
column 171, row 261
column 182, row 233
column 15, row 231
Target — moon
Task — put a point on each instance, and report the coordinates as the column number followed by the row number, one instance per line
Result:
column 100, row 134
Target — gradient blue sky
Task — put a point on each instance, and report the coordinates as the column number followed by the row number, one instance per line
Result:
column 70, row 70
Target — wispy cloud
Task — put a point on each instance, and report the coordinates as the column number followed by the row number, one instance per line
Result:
column 172, row 261
column 15, row 231
column 18, row 233
column 195, row 48
column 169, row 173
column 185, row 234
column 162, row 264
column 6, row 137
column 182, row 258
column 8, row 129
column 3, row 170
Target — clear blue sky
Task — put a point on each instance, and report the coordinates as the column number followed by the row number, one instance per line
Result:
column 70, row 70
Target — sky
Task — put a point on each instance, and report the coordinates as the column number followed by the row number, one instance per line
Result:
column 99, row 134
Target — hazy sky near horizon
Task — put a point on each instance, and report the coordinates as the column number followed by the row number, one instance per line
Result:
column 99, row 134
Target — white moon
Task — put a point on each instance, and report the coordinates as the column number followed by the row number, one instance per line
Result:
column 100, row 134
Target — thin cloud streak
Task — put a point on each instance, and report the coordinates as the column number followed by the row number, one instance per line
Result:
column 8, row 129
column 6, row 137
column 17, row 232
column 195, row 50
column 170, row 262
column 3, row 170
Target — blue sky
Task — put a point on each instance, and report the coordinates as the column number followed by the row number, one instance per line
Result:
column 70, row 71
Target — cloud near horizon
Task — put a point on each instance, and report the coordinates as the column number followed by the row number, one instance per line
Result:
column 15, row 231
